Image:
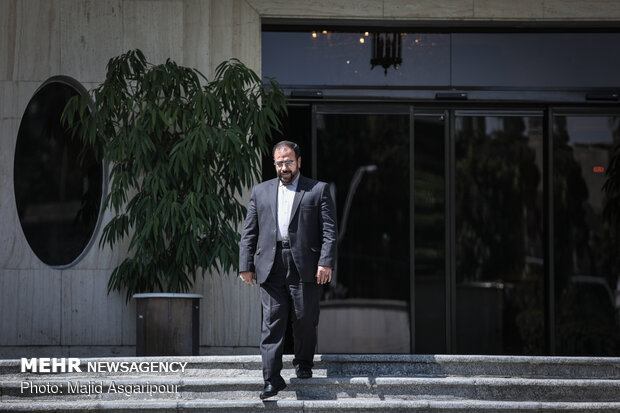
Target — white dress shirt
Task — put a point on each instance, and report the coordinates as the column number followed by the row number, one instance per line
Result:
column 286, row 195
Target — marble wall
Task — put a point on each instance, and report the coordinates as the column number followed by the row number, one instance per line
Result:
column 429, row 10
column 68, row 310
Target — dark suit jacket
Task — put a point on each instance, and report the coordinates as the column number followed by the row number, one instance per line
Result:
column 312, row 229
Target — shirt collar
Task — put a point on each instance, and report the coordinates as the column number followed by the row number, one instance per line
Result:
column 293, row 186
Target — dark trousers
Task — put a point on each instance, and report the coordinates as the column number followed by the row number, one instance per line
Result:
column 283, row 295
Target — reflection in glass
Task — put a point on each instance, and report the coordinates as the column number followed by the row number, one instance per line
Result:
column 366, row 159
column 540, row 60
column 499, row 291
column 387, row 51
column 499, row 249
column 429, row 236
column 587, row 263
column 58, row 194
column 344, row 59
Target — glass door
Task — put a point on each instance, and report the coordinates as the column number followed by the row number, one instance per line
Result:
column 499, row 242
column 586, row 219
column 431, row 289
column 364, row 153
column 468, row 231
column 386, row 166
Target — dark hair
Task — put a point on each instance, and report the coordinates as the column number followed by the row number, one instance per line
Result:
column 288, row 144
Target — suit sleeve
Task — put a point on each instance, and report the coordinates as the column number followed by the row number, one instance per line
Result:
column 249, row 237
column 329, row 229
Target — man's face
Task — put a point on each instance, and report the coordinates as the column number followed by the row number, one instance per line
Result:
column 286, row 173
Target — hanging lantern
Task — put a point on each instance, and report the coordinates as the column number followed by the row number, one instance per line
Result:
column 386, row 51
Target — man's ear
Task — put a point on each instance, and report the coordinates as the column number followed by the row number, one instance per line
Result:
column 299, row 162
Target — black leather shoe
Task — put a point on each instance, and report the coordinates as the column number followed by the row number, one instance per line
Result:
column 271, row 390
column 303, row 373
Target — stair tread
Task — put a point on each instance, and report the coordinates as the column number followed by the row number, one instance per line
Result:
column 359, row 402
column 367, row 358
column 369, row 380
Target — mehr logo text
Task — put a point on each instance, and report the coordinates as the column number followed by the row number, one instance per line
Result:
column 70, row 365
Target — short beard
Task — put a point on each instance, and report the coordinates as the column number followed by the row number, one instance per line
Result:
column 293, row 177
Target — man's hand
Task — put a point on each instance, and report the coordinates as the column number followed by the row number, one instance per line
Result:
column 248, row 276
column 323, row 274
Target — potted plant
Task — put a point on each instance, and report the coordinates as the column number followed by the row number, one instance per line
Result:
column 180, row 150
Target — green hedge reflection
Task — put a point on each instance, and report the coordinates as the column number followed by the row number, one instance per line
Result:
column 585, row 250
column 499, row 222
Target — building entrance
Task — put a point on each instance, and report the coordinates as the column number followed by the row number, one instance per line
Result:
column 465, row 230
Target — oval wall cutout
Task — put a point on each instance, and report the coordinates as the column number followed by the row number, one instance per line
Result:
column 58, row 194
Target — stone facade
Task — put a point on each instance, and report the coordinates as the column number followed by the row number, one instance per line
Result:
column 68, row 311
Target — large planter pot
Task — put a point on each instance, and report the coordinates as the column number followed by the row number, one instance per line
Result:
column 167, row 324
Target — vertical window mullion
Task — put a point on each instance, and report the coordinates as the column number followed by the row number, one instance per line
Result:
column 548, row 234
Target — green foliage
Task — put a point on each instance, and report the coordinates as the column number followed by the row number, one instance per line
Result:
column 181, row 150
column 498, row 216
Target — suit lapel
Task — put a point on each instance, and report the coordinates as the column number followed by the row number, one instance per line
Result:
column 301, row 190
column 273, row 199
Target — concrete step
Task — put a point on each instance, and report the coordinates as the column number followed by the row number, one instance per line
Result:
column 341, row 383
column 367, row 365
column 326, row 388
column 322, row 406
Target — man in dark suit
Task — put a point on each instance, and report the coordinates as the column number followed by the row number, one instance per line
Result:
column 288, row 247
